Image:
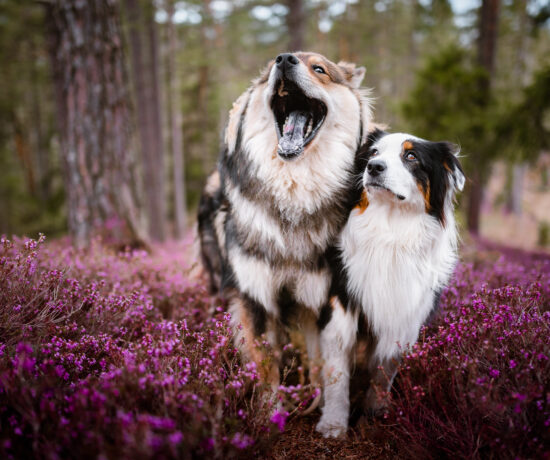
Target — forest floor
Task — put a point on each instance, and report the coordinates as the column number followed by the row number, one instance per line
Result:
column 112, row 352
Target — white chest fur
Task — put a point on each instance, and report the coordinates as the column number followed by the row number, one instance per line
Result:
column 396, row 260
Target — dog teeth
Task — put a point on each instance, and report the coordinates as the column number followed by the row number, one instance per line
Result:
column 309, row 127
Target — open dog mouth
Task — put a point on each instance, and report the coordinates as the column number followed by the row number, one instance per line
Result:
column 298, row 118
column 383, row 187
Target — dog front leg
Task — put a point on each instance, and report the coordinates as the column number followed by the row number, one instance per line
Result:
column 382, row 374
column 250, row 321
column 310, row 330
column 338, row 338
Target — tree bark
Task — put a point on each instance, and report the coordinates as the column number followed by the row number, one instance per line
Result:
column 155, row 105
column 488, row 32
column 205, row 77
column 516, row 172
column 474, row 202
column 146, row 88
column 23, row 150
column 40, row 147
column 295, row 21
column 93, row 113
column 180, row 208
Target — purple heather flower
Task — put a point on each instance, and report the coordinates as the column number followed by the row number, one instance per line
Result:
column 176, row 437
column 242, row 441
column 279, row 419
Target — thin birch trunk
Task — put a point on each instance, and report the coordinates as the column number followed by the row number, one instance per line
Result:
column 180, row 211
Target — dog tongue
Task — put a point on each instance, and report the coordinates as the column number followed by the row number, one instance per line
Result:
column 292, row 139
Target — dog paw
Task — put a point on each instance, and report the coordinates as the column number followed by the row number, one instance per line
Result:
column 331, row 428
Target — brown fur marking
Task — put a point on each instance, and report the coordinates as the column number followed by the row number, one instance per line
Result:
column 407, row 145
column 426, row 195
column 364, row 203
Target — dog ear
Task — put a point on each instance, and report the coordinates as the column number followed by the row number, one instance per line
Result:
column 453, row 166
column 354, row 75
column 373, row 136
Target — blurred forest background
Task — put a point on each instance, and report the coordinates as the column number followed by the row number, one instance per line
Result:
column 111, row 110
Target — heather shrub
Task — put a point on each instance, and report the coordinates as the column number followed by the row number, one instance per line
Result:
column 115, row 354
column 477, row 384
column 119, row 353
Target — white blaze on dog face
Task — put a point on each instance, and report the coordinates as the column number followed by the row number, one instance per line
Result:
column 413, row 172
column 387, row 176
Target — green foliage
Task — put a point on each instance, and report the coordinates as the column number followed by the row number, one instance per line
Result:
column 28, row 213
column 31, row 188
column 448, row 102
column 525, row 129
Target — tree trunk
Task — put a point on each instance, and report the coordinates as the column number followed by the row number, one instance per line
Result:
column 146, row 89
column 516, row 172
column 474, row 202
column 156, row 118
column 295, row 21
column 180, row 208
column 93, row 114
column 23, row 150
column 39, row 142
column 488, row 32
column 205, row 77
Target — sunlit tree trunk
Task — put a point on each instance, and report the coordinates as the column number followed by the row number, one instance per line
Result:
column 180, row 210
column 488, row 32
column 93, row 114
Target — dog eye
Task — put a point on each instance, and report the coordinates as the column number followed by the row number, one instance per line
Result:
column 373, row 152
column 318, row 69
column 410, row 155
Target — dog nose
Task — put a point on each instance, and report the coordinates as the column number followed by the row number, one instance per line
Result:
column 375, row 167
column 286, row 60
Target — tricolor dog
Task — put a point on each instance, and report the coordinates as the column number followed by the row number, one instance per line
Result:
column 281, row 195
column 395, row 254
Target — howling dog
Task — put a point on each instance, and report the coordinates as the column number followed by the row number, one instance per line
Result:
column 280, row 196
column 395, row 254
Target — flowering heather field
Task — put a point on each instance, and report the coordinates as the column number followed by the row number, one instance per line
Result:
column 120, row 354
